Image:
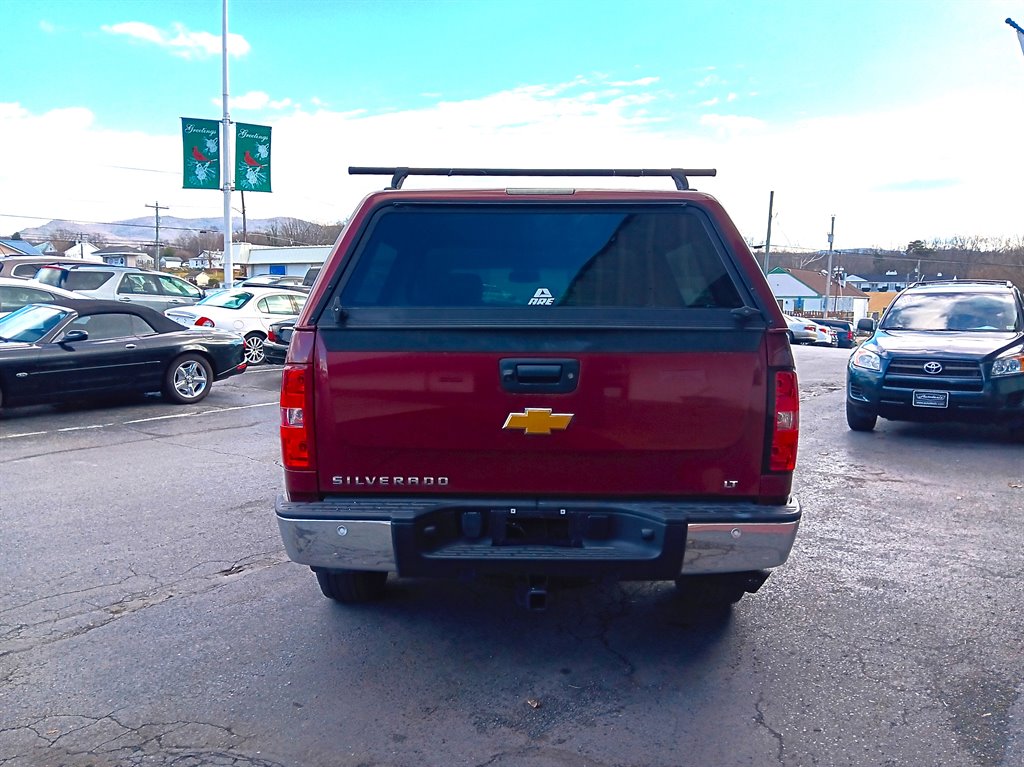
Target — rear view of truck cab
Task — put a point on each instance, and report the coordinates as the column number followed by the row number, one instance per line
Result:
column 539, row 382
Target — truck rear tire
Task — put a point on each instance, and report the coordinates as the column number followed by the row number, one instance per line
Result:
column 352, row 586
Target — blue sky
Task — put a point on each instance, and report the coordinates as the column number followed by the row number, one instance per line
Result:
column 903, row 119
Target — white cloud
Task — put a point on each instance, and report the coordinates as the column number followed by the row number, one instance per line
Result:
column 254, row 100
column 877, row 172
column 643, row 81
column 180, row 40
column 47, row 26
column 250, row 100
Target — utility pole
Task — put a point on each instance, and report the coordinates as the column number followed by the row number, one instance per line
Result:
column 244, row 234
column 828, row 276
column 768, row 238
column 158, row 207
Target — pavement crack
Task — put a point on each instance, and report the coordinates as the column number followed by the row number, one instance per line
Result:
column 780, row 752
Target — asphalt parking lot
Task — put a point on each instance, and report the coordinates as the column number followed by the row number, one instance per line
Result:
column 150, row 617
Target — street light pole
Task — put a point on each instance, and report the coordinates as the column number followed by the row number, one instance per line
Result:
column 229, row 272
column 828, row 276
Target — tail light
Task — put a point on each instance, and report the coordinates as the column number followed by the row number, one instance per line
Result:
column 296, row 430
column 786, row 429
column 271, row 337
column 205, row 322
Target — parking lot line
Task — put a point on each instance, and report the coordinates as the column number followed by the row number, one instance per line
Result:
column 203, row 412
column 24, row 434
column 139, row 420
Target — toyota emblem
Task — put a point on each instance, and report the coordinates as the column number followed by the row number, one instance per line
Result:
column 933, row 368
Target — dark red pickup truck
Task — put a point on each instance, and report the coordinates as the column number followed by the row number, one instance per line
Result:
column 540, row 382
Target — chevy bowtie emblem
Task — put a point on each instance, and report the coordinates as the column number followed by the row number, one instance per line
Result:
column 538, row 420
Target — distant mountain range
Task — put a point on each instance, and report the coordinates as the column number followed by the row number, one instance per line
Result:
column 143, row 229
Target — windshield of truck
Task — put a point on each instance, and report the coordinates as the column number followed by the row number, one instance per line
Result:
column 560, row 256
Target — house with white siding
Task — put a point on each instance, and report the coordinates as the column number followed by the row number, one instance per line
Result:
column 803, row 292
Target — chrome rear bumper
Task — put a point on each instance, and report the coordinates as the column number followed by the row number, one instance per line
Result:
column 710, row 547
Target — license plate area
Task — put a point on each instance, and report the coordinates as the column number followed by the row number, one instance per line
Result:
column 536, row 527
column 931, row 399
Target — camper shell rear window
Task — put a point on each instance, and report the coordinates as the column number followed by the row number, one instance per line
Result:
column 641, row 257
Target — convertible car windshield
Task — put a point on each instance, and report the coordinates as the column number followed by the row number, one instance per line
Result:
column 30, row 323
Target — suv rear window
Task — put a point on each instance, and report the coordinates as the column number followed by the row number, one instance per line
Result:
column 73, row 279
column 650, row 257
column 25, row 270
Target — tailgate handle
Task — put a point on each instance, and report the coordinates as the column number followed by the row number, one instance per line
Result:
column 547, row 376
column 539, row 373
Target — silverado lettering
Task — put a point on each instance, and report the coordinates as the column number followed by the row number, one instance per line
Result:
column 394, row 481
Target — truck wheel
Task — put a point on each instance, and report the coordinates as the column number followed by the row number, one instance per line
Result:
column 352, row 586
column 860, row 420
column 710, row 590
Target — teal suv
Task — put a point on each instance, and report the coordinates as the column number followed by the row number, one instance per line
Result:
column 943, row 351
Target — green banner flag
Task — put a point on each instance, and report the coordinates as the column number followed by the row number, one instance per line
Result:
column 201, row 145
column 252, row 148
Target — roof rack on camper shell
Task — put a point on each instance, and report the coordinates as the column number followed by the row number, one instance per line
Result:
column 399, row 174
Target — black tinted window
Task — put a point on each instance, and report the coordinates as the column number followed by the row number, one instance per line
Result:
column 85, row 279
column 14, row 297
column 25, row 270
column 103, row 327
column 140, row 327
column 530, row 256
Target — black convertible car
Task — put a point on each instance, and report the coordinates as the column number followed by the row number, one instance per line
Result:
column 77, row 349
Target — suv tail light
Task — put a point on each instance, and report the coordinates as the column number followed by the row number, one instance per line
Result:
column 786, row 428
column 271, row 337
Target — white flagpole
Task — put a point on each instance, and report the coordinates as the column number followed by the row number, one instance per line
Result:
column 225, row 148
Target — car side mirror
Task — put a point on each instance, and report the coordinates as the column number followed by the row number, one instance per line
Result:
column 866, row 325
column 73, row 336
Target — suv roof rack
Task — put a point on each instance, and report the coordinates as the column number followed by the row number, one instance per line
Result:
column 399, row 174
column 965, row 281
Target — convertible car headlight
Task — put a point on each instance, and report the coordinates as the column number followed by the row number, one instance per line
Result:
column 1007, row 366
column 863, row 358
